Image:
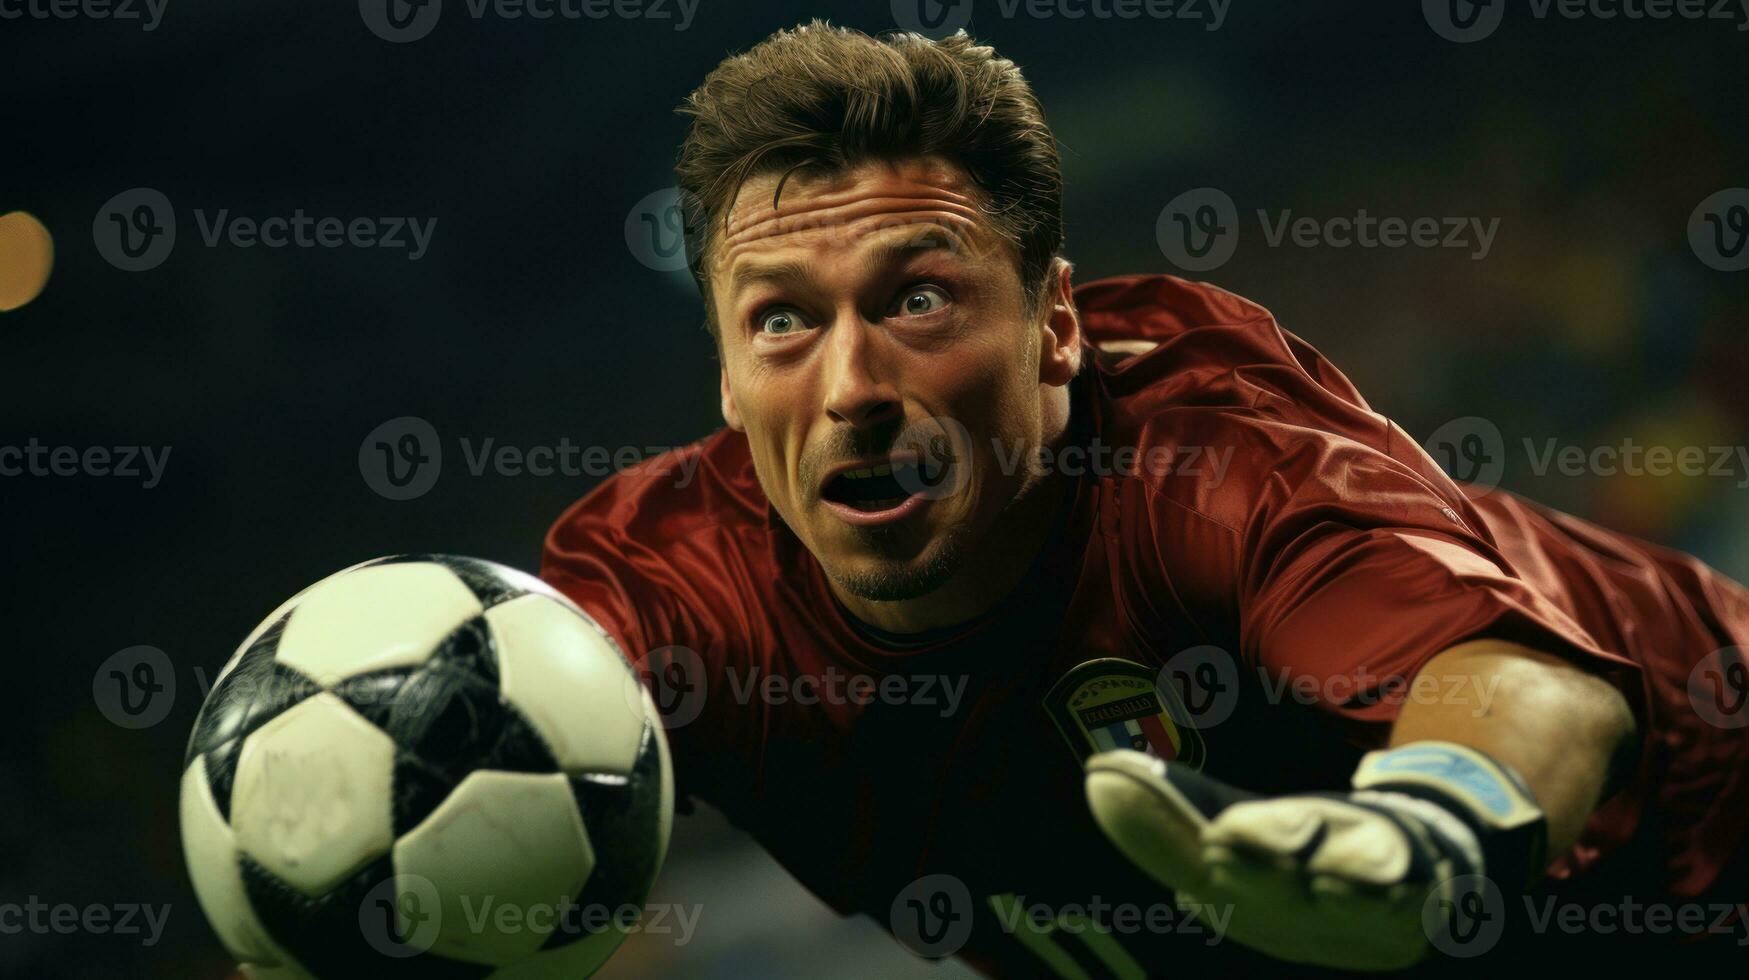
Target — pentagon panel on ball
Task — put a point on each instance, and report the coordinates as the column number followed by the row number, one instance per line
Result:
column 425, row 766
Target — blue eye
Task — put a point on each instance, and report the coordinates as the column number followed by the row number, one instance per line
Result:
column 780, row 322
column 921, row 301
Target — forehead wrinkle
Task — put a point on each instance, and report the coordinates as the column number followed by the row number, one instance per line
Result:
column 751, row 275
column 957, row 221
column 811, row 195
column 885, row 254
column 842, row 213
column 900, row 249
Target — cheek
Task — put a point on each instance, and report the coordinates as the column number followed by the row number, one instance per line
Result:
column 997, row 394
column 971, row 381
column 773, row 417
column 995, row 417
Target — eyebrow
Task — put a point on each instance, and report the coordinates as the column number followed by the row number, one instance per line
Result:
column 888, row 253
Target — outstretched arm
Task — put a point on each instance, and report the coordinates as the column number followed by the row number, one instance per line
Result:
column 1561, row 729
column 1471, row 787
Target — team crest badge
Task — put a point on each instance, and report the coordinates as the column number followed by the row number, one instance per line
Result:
column 1111, row 704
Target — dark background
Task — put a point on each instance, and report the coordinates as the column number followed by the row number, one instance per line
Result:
column 531, row 319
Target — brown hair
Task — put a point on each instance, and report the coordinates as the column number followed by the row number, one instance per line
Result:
column 819, row 97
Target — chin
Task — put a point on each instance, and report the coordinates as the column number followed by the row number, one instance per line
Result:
column 878, row 578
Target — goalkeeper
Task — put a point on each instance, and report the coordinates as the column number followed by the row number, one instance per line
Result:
column 1141, row 605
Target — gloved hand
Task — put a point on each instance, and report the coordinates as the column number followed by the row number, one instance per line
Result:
column 1333, row 879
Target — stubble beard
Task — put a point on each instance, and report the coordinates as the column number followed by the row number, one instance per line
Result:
column 897, row 581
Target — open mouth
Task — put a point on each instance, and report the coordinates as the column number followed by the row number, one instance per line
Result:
column 877, row 488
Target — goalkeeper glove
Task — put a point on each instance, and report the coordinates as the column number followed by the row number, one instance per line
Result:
column 1333, row 879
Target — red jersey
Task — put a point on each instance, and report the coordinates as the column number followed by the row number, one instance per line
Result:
column 1248, row 571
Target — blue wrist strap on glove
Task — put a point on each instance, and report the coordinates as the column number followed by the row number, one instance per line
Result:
column 1484, row 794
column 1337, row 879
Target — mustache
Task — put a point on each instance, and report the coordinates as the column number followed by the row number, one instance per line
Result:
column 845, row 443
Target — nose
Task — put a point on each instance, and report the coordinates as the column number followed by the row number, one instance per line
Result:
column 857, row 390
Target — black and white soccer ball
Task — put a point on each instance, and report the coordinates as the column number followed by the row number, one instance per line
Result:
column 426, row 766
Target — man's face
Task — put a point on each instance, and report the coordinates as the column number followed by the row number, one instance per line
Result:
column 872, row 326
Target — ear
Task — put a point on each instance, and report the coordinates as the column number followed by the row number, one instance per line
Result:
column 1059, row 353
column 731, row 414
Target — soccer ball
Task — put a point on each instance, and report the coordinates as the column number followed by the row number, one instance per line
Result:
column 426, row 766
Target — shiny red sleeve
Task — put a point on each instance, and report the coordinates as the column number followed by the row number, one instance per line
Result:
column 651, row 609
column 1357, row 570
